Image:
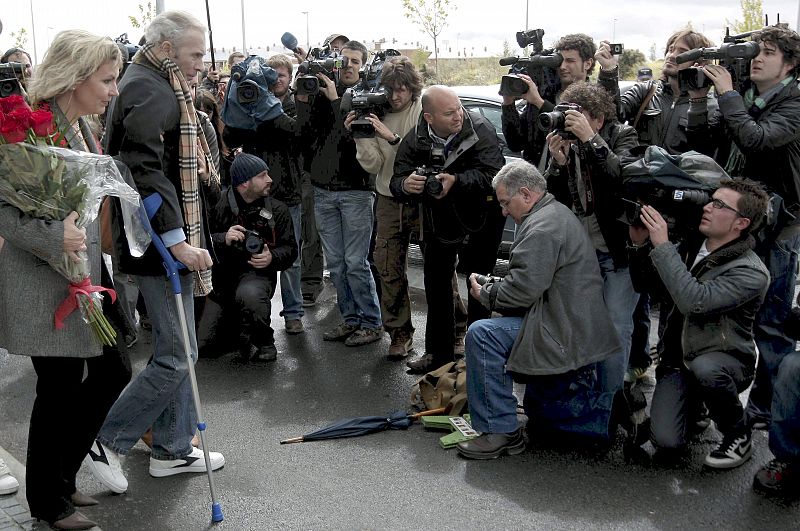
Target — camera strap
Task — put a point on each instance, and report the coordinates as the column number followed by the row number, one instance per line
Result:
column 647, row 99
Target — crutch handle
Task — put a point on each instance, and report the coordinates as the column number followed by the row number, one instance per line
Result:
column 151, row 204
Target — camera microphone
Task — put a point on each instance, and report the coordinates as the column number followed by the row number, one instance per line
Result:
column 691, row 55
column 508, row 61
column 290, row 41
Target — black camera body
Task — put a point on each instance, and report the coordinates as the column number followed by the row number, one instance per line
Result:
column 541, row 67
column 433, row 186
column 322, row 61
column 10, row 74
column 617, row 49
column 693, row 78
column 555, row 120
column 253, row 243
column 368, row 97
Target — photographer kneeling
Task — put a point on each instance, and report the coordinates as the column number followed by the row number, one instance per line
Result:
column 708, row 352
column 546, row 336
column 254, row 240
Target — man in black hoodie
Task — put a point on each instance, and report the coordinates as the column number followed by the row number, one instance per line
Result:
column 343, row 200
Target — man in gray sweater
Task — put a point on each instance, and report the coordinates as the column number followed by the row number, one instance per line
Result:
column 545, row 338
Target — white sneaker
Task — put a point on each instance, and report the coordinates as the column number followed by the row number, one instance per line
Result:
column 194, row 462
column 104, row 464
column 8, row 483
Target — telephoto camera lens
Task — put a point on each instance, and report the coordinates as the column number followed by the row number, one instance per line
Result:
column 433, row 186
column 483, row 279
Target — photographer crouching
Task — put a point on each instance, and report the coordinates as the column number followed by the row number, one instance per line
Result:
column 545, row 336
column 254, row 239
column 716, row 288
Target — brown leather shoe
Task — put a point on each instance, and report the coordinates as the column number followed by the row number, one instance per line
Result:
column 424, row 363
column 402, row 344
column 493, row 445
column 80, row 499
column 76, row 520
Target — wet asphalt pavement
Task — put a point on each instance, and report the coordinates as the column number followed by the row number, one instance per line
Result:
column 390, row 480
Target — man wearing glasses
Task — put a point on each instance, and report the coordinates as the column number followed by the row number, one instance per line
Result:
column 708, row 352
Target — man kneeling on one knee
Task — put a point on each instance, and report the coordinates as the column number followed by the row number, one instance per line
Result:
column 555, row 332
column 717, row 286
column 254, row 238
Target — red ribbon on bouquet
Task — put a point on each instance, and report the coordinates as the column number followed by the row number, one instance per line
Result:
column 70, row 304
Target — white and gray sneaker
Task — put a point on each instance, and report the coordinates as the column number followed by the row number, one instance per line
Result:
column 8, row 483
column 194, row 462
column 104, row 464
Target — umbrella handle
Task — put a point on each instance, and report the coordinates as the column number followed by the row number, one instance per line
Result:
column 293, row 440
column 437, row 411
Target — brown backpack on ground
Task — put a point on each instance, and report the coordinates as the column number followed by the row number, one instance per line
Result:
column 443, row 387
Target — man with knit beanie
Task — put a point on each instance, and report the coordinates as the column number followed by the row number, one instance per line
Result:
column 254, row 238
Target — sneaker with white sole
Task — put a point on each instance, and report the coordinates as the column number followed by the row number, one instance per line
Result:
column 8, row 483
column 734, row 450
column 194, row 462
column 105, row 465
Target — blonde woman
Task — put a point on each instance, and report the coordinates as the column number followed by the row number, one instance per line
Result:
column 77, row 78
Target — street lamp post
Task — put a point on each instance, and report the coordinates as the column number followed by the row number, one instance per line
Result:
column 244, row 40
column 33, row 34
column 308, row 39
column 614, row 31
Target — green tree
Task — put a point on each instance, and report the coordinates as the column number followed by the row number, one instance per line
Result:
column 629, row 62
column 431, row 17
column 752, row 17
column 146, row 13
column 20, row 38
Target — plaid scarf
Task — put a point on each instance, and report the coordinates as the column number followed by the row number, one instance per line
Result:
column 191, row 134
column 754, row 105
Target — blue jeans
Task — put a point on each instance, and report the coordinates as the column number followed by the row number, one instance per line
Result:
column 291, row 294
column 161, row 395
column 571, row 402
column 344, row 222
column 773, row 345
column 620, row 299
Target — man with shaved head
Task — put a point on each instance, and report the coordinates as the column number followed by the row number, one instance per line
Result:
column 446, row 163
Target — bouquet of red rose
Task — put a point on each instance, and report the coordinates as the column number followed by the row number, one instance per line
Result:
column 49, row 182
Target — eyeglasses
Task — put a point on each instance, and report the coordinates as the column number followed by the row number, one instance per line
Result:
column 720, row 204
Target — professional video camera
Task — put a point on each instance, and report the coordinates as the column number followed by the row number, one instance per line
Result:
column 555, row 120
column 540, row 67
column 678, row 186
column 368, row 97
column 735, row 54
column 249, row 100
column 129, row 51
column 323, row 61
column 9, row 79
column 253, row 243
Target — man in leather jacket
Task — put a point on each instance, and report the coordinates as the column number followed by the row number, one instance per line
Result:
column 585, row 174
column 460, row 217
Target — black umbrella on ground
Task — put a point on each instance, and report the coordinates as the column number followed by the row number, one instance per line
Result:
column 354, row 427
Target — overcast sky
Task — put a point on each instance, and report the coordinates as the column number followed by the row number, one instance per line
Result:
column 475, row 24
